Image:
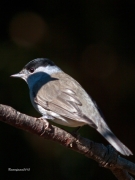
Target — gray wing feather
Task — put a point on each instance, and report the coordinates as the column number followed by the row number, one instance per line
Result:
column 62, row 101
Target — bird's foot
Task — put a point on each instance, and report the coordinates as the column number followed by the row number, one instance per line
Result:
column 45, row 125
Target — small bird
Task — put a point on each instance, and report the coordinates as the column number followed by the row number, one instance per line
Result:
column 61, row 99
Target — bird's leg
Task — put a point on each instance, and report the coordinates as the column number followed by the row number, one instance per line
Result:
column 75, row 132
column 46, row 123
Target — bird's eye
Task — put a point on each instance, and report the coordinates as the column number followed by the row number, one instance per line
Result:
column 31, row 70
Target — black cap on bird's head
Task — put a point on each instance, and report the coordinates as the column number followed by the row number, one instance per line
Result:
column 37, row 64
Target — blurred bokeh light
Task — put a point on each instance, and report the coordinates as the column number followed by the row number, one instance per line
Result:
column 28, row 29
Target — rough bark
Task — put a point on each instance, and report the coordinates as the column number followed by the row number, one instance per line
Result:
column 106, row 156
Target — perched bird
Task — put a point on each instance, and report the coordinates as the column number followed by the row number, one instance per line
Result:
column 61, row 99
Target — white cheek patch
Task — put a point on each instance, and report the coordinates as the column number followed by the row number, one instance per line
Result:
column 48, row 69
column 37, row 75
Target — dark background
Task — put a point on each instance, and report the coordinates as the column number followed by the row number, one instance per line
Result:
column 93, row 41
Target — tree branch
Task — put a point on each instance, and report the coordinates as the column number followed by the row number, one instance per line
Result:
column 106, row 156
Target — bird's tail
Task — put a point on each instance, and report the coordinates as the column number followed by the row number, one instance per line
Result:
column 104, row 130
